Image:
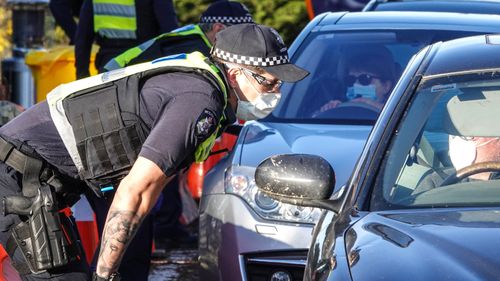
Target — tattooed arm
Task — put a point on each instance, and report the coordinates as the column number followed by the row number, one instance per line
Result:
column 136, row 195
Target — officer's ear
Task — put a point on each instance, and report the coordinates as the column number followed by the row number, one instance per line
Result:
column 216, row 27
column 232, row 73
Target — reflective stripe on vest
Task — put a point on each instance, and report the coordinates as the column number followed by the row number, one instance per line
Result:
column 191, row 61
column 123, row 59
column 115, row 19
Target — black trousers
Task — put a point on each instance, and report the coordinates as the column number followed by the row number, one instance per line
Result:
column 10, row 184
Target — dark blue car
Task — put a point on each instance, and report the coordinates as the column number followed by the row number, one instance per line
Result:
column 423, row 202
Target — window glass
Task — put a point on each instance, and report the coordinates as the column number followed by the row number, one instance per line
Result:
column 446, row 152
column 351, row 74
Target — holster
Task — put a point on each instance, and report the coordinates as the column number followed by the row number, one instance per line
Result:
column 47, row 239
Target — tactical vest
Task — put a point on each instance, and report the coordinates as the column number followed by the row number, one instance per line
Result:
column 98, row 117
column 127, row 56
column 115, row 19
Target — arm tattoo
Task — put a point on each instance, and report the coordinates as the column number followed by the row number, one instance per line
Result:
column 119, row 230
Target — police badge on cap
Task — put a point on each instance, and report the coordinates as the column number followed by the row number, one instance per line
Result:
column 257, row 45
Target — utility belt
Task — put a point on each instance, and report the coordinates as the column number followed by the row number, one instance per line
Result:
column 46, row 237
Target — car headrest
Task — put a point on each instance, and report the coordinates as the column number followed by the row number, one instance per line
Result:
column 473, row 113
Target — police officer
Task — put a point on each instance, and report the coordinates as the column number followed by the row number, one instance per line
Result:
column 195, row 37
column 168, row 231
column 126, row 131
column 117, row 26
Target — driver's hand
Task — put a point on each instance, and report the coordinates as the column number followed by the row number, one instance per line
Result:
column 329, row 105
column 371, row 102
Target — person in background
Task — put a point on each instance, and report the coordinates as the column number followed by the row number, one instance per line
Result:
column 117, row 25
column 195, row 37
column 64, row 13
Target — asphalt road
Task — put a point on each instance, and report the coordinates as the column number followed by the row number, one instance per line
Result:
column 176, row 264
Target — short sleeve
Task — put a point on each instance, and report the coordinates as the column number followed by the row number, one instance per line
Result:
column 180, row 125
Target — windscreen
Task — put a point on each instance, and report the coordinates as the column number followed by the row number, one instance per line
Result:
column 351, row 74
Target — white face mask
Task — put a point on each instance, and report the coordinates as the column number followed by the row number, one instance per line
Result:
column 259, row 108
column 360, row 91
column 462, row 152
column 262, row 106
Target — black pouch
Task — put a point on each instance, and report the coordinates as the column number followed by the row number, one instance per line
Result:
column 108, row 143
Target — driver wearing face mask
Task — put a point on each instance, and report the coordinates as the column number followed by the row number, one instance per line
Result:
column 465, row 151
column 369, row 79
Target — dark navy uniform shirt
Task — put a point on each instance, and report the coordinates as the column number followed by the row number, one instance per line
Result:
column 173, row 105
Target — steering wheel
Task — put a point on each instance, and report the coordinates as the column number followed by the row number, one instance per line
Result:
column 470, row 170
column 359, row 104
column 351, row 110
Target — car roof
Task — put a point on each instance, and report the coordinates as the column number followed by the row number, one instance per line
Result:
column 465, row 54
column 410, row 20
column 461, row 6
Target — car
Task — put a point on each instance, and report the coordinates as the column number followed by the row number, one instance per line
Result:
column 424, row 198
column 457, row 6
column 246, row 235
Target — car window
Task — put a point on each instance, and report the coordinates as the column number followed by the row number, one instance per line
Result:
column 446, row 152
column 351, row 74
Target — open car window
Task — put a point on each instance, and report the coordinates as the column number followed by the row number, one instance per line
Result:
column 447, row 150
column 328, row 94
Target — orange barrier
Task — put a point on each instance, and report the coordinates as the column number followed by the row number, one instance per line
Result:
column 197, row 171
column 7, row 272
column 87, row 227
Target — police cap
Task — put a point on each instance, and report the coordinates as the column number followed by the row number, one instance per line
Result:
column 226, row 12
column 257, row 45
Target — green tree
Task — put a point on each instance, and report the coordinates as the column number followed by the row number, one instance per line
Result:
column 5, row 29
column 288, row 17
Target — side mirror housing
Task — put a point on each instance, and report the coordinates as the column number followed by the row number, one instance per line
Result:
column 299, row 179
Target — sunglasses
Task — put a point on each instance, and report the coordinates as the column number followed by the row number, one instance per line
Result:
column 363, row 79
column 268, row 85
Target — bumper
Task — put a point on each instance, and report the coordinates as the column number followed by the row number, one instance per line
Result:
column 233, row 238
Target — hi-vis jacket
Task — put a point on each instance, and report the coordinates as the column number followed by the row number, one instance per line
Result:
column 115, row 19
column 98, row 117
column 126, row 57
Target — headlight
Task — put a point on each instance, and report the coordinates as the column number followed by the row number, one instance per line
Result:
column 240, row 181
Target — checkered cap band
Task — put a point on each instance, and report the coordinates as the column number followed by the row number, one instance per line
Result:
column 223, row 19
column 255, row 61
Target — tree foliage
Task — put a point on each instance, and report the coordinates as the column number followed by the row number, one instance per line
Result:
column 5, row 29
column 288, row 17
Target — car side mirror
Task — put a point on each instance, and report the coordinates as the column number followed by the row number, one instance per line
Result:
column 298, row 179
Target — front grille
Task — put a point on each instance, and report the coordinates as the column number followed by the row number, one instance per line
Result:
column 261, row 266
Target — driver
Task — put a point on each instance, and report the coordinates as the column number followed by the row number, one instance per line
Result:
column 465, row 151
column 369, row 78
